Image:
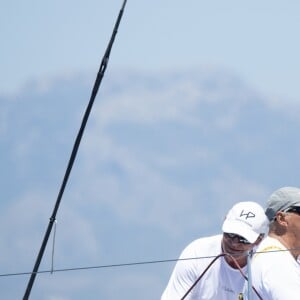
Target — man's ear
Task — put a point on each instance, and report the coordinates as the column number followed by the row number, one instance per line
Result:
column 281, row 218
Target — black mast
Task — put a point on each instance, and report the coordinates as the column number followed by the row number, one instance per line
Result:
column 74, row 152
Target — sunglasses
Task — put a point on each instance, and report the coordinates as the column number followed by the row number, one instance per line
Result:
column 240, row 239
column 294, row 209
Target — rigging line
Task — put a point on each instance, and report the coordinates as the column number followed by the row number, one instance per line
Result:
column 121, row 265
column 53, row 247
column 103, row 266
column 74, row 151
column 201, row 275
column 210, row 264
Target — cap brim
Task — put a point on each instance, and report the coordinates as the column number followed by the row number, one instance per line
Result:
column 241, row 229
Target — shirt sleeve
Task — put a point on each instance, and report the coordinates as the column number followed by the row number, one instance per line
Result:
column 183, row 277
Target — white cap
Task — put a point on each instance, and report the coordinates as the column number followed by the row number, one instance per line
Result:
column 246, row 219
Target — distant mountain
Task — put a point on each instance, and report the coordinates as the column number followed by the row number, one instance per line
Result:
column 163, row 157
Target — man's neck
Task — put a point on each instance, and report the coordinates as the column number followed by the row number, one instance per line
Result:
column 242, row 262
column 287, row 242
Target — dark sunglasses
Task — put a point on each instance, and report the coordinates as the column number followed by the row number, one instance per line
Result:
column 240, row 239
column 294, row 209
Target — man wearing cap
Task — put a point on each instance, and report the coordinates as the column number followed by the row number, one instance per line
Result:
column 243, row 228
column 275, row 269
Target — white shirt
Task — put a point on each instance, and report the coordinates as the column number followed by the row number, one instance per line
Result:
column 275, row 273
column 220, row 282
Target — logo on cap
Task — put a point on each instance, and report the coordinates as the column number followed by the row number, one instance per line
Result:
column 247, row 215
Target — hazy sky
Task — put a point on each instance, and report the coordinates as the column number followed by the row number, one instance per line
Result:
column 166, row 151
column 256, row 39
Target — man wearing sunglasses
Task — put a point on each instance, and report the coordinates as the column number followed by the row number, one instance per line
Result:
column 275, row 267
column 243, row 228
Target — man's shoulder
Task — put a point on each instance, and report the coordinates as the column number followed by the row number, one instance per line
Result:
column 268, row 250
column 269, row 244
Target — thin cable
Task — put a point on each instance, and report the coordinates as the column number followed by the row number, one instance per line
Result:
column 200, row 277
column 74, row 152
column 53, row 247
column 102, row 266
column 249, row 258
column 123, row 264
column 208, row 267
